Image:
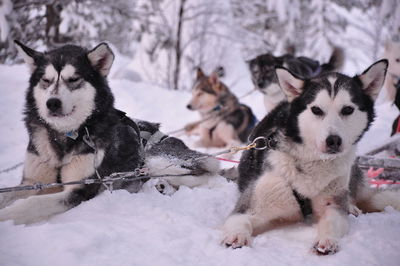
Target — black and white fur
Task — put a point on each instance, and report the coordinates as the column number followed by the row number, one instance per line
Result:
column 262, row 69
column 69, row 105
column 310, row 166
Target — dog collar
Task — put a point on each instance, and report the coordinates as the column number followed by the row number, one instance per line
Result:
column 72, row 135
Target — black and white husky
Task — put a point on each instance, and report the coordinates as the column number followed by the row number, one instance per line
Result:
column 76, row 133
column 308, row 165
column 262, row 69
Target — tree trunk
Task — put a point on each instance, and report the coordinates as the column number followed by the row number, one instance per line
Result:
column 53, row 21
column 178, row 52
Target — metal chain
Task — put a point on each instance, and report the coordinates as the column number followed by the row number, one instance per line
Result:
column 137, row 174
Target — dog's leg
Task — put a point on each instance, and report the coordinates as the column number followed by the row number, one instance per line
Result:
column 269, row 200
column 205, row 138
column 238, row 229
column 228, row 135
column 35, row 171
column 37, row 208
column 333, row 222
column 192, row 129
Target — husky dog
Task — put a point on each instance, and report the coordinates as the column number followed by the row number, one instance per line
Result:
column 227, row 122
column 308, row 163
column 262, row 69
column 392, row 53
column 76, row 133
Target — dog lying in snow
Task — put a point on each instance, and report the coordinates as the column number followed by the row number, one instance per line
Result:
column 262, row 69
column 228, row 122
column 76, row 133
column 308, row 168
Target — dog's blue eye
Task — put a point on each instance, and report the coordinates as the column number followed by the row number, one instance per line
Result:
column 317, row 111
column 347, row 110
column 72, row 80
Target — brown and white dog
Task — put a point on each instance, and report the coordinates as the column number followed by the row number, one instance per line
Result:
column 226, row 122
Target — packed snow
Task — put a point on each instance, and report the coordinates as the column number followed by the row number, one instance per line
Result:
column 148, row 228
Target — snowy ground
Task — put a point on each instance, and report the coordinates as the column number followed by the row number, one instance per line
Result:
column 148, row 228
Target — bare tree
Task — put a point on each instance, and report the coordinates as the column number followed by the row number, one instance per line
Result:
column 178, row 49
column 171, row 44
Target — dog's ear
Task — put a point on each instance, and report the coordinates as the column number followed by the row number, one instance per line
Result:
column 291, row 85
column 214, row 80
column 101, row 58
column 199, row 73
column 373, row 77
column 29, row 55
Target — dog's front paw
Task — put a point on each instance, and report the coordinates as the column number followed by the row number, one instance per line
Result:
column 236, row 240
column 353, row 209
column 326, row 247
column 164, row 187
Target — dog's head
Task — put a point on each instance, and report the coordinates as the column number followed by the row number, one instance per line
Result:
column 330, row 113
column 68, row 84
column 206, row 92
column 262, row 69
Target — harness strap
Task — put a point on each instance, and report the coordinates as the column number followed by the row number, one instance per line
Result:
column 149, row 139
column 127, row 121
column 398, row 125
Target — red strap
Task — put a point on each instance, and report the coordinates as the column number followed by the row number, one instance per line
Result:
column 226, row 160
column 398, row 125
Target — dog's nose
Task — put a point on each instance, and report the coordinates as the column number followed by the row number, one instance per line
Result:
column 333, row 143
column 189, row 107
column 260, row 84
column 53, row 104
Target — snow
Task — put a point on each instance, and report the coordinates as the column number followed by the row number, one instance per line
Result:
column 148, row 228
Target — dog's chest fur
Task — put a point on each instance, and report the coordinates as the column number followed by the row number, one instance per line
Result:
column 312, row 177
column 54, row 148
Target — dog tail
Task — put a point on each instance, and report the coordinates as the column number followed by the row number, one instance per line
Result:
column 376, row 199
column 371, row 199
column 335, row 62
column 381, row 198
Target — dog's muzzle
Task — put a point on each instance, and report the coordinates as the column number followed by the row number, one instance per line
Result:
column 54, row 105
column 333, row 144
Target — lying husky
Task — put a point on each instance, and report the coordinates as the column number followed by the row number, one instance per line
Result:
column 227, row 122
column 262, row 69
column 76, row 133
column 308, row 165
